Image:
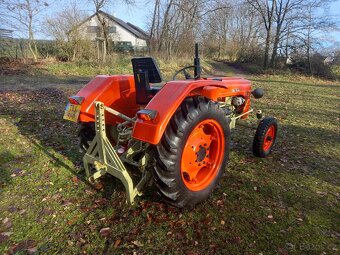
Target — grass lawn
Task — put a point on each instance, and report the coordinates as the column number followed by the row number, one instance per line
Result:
column 287, row 203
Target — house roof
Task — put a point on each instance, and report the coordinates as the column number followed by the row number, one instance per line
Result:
column 5, row 33
column 136, row 31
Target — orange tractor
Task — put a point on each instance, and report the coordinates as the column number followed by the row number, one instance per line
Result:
column 177, row 134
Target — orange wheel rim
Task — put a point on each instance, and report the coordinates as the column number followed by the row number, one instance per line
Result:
column 269, row 138
column 203, row 155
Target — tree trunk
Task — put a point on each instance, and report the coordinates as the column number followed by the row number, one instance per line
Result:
column 274, row 54
column 151, row 39
column 33, row 48
column 104, row 51
column 266, row 51
column 104, row 36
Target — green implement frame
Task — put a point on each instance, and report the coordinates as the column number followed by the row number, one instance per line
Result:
column 101, row 157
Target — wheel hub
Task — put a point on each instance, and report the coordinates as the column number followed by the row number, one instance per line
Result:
column 202, row 155
column 268, row 139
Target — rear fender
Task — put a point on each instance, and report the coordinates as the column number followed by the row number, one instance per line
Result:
column 116, row 91
column 166, row 102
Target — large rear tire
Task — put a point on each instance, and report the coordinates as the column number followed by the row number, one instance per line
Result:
column 193, row 152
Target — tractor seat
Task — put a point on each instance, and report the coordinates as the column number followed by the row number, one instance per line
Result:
column 145, row 71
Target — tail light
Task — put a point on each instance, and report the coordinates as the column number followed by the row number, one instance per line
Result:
column 75, row 100
column 146, row 114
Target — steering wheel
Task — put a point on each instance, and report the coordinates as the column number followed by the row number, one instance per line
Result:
column 183, row 70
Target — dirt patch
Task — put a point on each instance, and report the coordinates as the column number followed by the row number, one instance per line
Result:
column 11, row 67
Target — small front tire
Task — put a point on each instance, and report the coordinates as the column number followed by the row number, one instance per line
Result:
column 265, row 137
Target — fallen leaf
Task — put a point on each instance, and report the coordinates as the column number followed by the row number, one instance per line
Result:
column 4, row 237
column 72, row 220
column 89, row 192
column 236, row 240
column 191, row 253
column 180, row 235
column 32, row 250
column 23, row 211
column 137, row 243
column 44, row 199
column 220, row 203
column 75, row 180
column 12, row 209
column 7, row 223
column 98, row 186
column 282, row 251
column 117, row 243
column 66, row 203
column 81, row 242
column 22, row 246
column 149, row 218
column 105, row 232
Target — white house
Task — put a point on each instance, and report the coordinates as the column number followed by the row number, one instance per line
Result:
column 123, row 34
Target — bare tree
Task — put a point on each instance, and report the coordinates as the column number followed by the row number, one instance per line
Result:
column 265, row 9
column 287, row 12
column 175, row 24
column 310, row 26
column 62, row 26
column 235, row 29
column 23, row 14
column 99, row 6
column 154, row 25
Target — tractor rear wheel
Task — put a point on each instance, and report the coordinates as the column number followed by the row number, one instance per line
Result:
column 265, row 137
column 86, row 135
column 193, row 152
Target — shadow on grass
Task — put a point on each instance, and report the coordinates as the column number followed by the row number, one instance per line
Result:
column 43, row 124
column 19, row 82
column 299, row 150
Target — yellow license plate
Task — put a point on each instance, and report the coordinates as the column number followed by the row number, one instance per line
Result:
column 72, row 112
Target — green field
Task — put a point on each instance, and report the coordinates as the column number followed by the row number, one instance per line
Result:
column 287, row 203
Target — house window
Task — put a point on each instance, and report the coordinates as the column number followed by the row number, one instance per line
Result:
column 112, row 30
column 125, row 43
column 92, row 29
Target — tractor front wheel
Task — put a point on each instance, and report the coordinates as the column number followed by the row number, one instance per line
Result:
column 193, row 152
column 265, row 137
